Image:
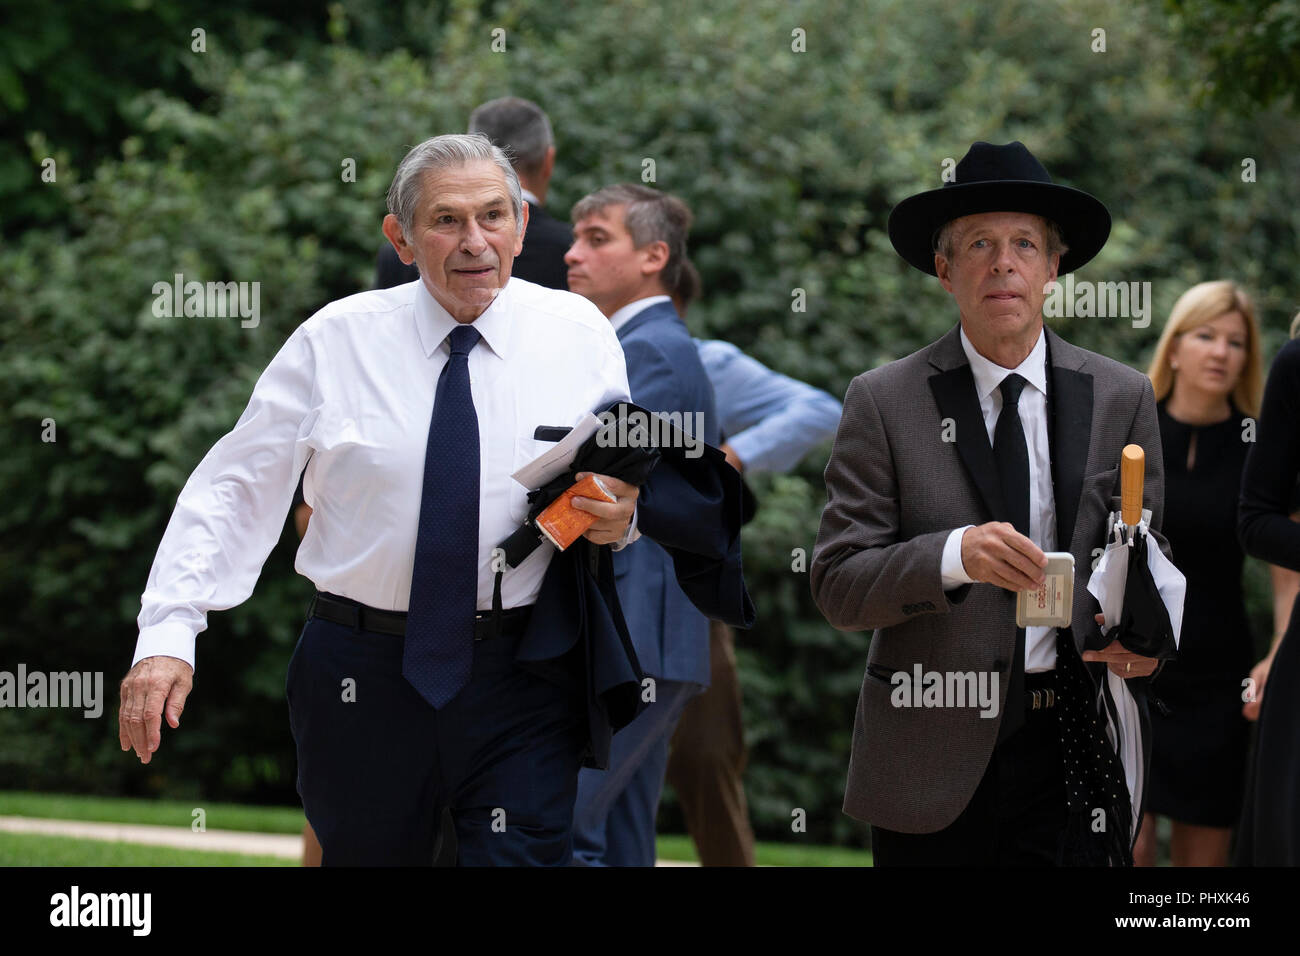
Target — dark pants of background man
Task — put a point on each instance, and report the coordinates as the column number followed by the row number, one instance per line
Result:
column 707, row 762
column 614, row 824
column 1015, row 818
column 376, row 771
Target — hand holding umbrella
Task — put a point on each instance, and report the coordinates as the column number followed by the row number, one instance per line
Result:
column 1140, row 591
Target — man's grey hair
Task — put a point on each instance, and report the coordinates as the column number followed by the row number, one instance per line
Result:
column 943, row 239
column 518, row 126
column 437, row 154
column 649, row 216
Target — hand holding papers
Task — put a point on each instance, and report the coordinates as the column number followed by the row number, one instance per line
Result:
column 561, row 522
column 590, row 447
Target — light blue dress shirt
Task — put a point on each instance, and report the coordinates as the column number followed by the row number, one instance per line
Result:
column 770, row 420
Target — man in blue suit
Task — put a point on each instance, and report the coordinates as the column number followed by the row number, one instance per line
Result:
column 628, row 253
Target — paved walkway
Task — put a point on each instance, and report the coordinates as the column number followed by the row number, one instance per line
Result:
column 228, row 841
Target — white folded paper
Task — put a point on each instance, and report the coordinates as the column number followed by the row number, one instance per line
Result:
column 554, row 462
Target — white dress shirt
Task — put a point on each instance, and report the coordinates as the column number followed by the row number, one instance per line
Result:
column 630, row 311
column 1040, row 642
column 350, row 396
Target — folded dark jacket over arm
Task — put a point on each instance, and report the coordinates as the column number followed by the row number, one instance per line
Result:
column 693, row 507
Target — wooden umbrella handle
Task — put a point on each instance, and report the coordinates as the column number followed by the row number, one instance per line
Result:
column 1132, row 471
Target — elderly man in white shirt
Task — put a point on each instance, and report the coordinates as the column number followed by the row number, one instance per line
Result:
column 409, row 408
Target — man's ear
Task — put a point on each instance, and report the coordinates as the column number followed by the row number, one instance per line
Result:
column 941, row 270
column 1056, row 265
column 393, row 232
column 654, row 257
column 523, row 228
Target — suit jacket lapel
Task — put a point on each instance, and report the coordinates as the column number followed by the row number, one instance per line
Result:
column 1070, row 423
column 954, row 393
column 1070, row 410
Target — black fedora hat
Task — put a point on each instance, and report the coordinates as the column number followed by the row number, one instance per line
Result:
column 993, row 178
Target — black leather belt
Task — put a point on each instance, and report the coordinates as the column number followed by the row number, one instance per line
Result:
column 349, row 613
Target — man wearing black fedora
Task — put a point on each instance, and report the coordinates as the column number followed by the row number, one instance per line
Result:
column 953, row 472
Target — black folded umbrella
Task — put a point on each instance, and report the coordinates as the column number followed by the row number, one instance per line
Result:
column 1144, row 626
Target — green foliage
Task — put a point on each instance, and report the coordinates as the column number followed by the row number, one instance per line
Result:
column 1252, row 49
column 67, row 71
column 791, row 162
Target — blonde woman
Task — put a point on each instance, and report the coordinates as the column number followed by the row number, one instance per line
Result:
column 1207, row 380
column 1270, row 830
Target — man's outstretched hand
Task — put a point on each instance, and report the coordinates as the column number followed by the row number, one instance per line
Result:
column 156, row 685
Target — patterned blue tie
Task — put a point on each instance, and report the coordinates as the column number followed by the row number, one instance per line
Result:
column 439, row 645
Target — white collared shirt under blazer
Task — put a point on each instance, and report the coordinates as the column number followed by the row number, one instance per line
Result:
column 1040, row 642
column 349, row 397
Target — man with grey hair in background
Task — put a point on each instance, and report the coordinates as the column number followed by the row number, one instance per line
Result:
column 523, row 131
column 409, row 409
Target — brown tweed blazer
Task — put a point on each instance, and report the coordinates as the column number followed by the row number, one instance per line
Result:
column 895, row 489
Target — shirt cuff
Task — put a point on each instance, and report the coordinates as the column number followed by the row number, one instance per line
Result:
column 631, row 534
column 165, row 640
column 952, row 573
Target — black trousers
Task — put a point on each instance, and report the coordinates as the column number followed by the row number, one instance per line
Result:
column 377, row 764
column 1015, row 817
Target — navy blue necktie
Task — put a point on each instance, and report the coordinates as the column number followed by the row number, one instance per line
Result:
column 439, row 645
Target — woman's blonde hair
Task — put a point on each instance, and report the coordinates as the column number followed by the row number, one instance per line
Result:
column 1295, row 326
column 1204, row 303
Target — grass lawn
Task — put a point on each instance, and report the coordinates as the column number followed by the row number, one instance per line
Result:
column 233, row 816
column 37, row 849
column 679, row 847
column 174, row 813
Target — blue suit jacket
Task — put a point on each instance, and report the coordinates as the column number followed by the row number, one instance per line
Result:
column 665, row 374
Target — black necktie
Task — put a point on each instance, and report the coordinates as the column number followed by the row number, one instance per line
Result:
column 1012, row 456
column 439, row 646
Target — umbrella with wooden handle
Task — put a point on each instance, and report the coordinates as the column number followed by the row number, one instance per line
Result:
column 1132, row 475
column 1144, row 626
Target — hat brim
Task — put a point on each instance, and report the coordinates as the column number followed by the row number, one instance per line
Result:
column 1084, row 220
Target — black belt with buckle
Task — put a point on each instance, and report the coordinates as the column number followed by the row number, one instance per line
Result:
column 349, row 613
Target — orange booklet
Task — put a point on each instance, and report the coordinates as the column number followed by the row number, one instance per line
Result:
column 562, row 523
